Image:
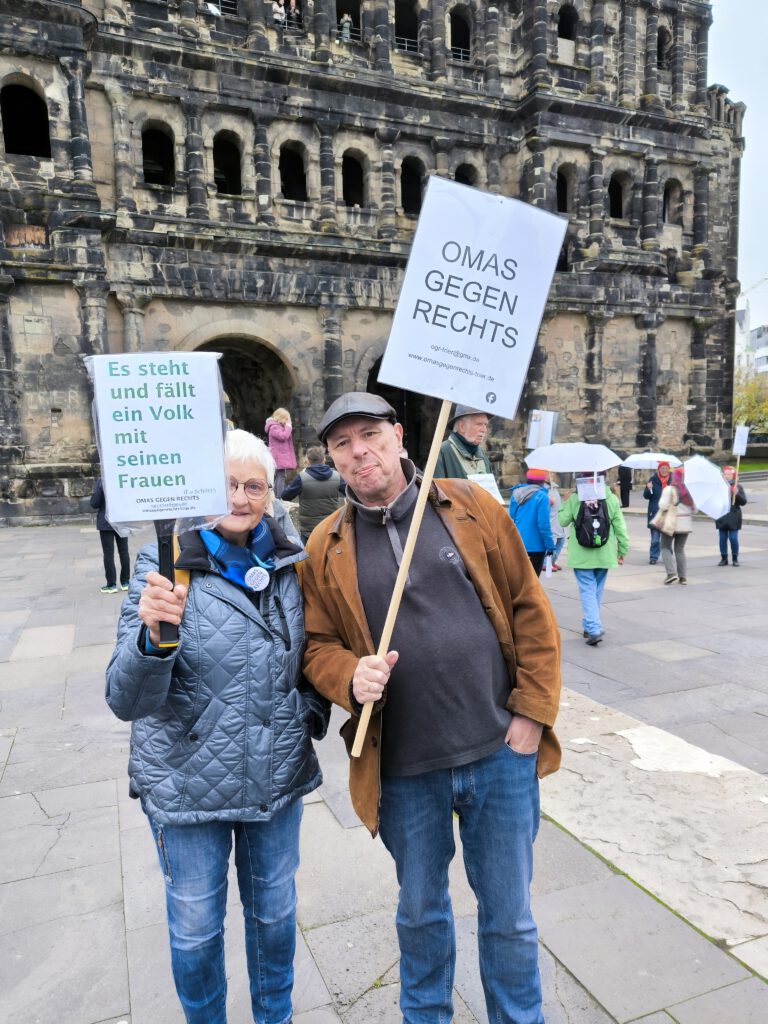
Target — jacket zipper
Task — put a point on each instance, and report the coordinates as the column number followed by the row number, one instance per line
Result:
column 284, row 631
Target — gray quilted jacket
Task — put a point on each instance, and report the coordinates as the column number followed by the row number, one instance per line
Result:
column 222, row 726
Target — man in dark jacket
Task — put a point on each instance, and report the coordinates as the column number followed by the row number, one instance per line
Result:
column 460, row 454
column 468, row 693
column 320, row 491
column 110, row 538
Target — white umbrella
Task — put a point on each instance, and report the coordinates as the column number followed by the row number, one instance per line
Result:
column 572, row 457
column 707, row 486
column 650, row 460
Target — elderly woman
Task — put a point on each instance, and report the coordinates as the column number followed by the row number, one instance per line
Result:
column 221, row 743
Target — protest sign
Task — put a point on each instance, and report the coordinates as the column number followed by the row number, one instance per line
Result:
column 160, row 430
column 466, row 322
column 741, row 437
column 472, row 298
column 541, row 428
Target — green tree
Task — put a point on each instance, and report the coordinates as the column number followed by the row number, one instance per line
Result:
column 750, row 400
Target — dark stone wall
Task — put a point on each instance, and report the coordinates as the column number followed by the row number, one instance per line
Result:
column 636, row 345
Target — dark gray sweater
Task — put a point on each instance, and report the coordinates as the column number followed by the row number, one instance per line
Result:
column 446, row 695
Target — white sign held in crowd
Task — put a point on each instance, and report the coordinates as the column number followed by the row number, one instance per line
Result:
column 541, row 428
column 161, row 430
column 740, row 440
column 472, row 298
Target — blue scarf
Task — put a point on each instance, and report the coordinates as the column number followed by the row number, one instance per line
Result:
column 233, row 562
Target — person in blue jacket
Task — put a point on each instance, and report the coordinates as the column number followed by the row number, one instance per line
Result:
column 529, row 509
column 652, row 495
column 221, row 736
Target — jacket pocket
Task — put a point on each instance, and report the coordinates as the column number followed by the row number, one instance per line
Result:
column 196, row 735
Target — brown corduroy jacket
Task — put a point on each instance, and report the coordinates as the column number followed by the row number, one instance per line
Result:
column 338, row 633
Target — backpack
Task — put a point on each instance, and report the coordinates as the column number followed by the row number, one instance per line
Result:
column 592, row 528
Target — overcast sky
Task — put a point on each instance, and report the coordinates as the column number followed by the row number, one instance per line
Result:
column 738, row 59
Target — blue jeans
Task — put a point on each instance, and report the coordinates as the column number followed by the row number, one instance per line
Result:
column 195, row 860
column 559, row 545
column 725, row 536
column 653, row 554
column 497, row 802
column 591, row 585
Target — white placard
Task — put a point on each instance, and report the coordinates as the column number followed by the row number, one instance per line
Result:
column 160, row 423
column 591, row 488
column 472, row 298
column 488, row 482
column 541, row 428
column 740, row 440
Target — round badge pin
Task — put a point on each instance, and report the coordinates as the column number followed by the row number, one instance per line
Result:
column 257, row 578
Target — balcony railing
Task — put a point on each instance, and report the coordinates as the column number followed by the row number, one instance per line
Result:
column 406, row 45
column 352, row 35
column 459, row 54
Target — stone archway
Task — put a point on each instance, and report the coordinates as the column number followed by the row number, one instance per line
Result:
column 256, row 381
column 417, row 413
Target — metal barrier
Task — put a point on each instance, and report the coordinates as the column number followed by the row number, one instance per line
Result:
column 406, row 45
column 459, row 54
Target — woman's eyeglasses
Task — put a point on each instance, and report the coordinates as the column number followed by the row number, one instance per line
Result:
column 252, row 488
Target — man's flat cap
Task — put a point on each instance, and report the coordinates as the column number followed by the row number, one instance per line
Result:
column 466, row 410
column 355, row 403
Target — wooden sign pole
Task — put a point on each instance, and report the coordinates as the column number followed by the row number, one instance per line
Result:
column 736, row 480
column 402, row 575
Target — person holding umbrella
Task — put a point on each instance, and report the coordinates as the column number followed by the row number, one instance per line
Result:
column 728, row 526
column 676, row 502
column 597, row 542
column 652, row 494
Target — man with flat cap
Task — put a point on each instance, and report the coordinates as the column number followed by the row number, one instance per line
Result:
column 464, row 704
column 461, row 454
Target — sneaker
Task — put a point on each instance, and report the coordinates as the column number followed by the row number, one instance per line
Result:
column 735, row 561
column 123, row 586
column 593, row 639
column 107, row 589
column 723, row 561
column 682, row 579
column 556, row 567
column 671, row 578
column 652, row 561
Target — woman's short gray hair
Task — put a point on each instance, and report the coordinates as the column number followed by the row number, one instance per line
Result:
column 241, row 446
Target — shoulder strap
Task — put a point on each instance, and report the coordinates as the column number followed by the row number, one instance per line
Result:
column 180, row 575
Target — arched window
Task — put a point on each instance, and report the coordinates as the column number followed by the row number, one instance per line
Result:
column 466, row 174
column 566, row 177
column 226, row 164
column 672, row 206
column 618, row 196
column 461, row 34
column 411, row 184
column 406, row 26
column 664, row 49
column 352, row 181
column 158, row 156
column 293, row 176
column 567, row 20
column 25, row 122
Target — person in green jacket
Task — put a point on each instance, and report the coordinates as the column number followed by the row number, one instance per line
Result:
column 591, row 564
column 460, row 454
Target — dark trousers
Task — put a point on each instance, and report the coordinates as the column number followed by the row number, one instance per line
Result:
column 108, row 540
column 537, row 561
column 624, row 490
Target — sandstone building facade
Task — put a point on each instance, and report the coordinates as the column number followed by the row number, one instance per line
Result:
column 178, row 175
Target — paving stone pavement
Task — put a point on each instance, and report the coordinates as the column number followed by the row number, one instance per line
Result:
column 665, row 734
